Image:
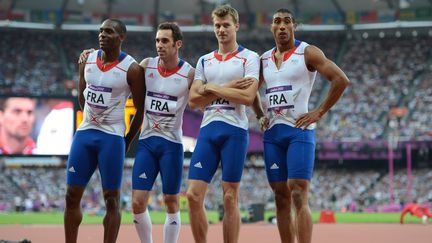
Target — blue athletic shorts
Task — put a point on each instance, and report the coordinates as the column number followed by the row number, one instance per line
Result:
column 156, row 154
column 289, row 153
column 93, row 148
column 219, row 141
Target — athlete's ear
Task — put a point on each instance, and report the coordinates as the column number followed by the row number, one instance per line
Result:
column 237, row 26
column 122, row 36
column 179, row 44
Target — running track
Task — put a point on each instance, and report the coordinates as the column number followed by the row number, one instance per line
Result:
column 323, row 233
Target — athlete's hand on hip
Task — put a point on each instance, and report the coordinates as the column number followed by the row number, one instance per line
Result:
column 84, row 55
column 306, row 119
column 264, row 123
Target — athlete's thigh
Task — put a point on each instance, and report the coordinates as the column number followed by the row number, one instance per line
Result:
column 205, row 160
column 233, row 156
column 82, row 160
column 145, row 168
column 301, row 155
column 111, row 157
column 171, row 168
column 275, row 161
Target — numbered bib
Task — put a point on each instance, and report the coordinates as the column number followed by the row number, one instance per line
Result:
column 220, row 104
column 161, row 104
column 279, row 98
column 98, row 96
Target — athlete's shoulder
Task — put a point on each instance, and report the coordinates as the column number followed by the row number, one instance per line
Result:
column 186, row 63
column 207, row 56
column 267, row 54
column 129, row 58
column 245, row 52
column 301, row 46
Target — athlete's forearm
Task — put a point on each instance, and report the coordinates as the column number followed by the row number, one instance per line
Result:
column 337, row 88
column 81, row 86
column 239, row 96
column 257, row 107
column 197, row 100
column 135, row 125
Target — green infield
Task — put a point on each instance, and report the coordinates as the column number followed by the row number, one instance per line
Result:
column 158, row 217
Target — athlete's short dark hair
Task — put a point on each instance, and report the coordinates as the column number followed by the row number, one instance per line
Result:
column 120, row 26
column 175, row 29
column 284, row 10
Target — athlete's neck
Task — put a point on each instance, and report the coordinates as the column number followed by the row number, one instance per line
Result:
column 227, row 48
column 281, row 48
column 169, row 63
column 109, row 57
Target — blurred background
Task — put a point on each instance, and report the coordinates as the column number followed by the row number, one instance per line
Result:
column 374, row 148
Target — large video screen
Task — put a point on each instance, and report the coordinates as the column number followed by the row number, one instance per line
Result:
column 36, row 126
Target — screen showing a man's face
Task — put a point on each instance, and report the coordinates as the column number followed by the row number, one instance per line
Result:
column 18, row 117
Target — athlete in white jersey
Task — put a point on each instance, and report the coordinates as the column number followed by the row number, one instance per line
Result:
column 225, row 81
column 168, row 79
column 289, row 72
column 106, row 80
column 288, row 87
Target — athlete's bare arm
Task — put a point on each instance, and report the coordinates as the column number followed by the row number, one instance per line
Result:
column 82, row 86
column 191, row 76
column 135, row 78
column 316, row 60
column 240, row 96
column 144, row 63
column 199, row 97
column 257, row 106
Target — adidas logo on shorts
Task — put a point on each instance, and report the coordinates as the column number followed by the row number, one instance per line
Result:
column 143, row 176
column 198, row 165
column 72, row 169
column 274, row 166
column 173, row 223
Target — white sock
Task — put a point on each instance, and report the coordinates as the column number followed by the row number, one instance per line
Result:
column 171, row 229
column 143, row 226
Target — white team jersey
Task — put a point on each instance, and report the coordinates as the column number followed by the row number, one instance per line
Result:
column 212, row 69
column 106, row 94
column 288, row 88
column 166, row 99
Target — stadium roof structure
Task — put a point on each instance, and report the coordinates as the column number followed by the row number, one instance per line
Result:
column 182, row 8
column 205, row 6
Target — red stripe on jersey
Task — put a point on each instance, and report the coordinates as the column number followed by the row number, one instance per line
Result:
column 122, row 69
column 286, row 55
column 166, row 73
column 182, row 75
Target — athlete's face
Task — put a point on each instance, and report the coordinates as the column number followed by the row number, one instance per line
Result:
column 165, row 45
column 225, row 29
column 18, row 117
column 109, row 37
column 283, row 28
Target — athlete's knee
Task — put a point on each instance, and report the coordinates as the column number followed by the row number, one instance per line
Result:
column 138, row 204
column 282, row 198
column 230, row 197
column 195, row 197
column 171, row 202
column 73, row 199
column 299, row 194
column 112, row 201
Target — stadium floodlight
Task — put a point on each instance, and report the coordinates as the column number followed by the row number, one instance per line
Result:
column 392, row 25
column 313, row 27
column 27, row 25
